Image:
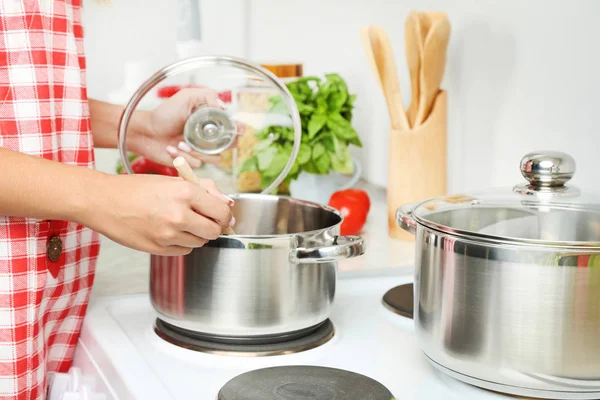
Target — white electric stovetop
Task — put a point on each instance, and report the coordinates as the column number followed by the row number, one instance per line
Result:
column 120, row 357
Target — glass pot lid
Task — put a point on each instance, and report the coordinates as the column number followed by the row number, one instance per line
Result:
column 544, row 210
column 256, row 101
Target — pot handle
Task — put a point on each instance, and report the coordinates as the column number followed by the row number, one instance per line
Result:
column 343, row 247
column 404, row 218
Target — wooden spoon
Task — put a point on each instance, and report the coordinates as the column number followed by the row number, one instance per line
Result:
column 433, row 65
column 379, row 51
column 413, row 43
column 185, row 171
column 427, row 19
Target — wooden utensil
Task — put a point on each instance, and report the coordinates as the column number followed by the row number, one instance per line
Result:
column 427, row 18
column 433, row 65
column 413, row 43
column 421, row 157
column 185, row 171
column 379, row 51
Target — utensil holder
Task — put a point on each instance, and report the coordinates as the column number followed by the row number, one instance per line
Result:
column 417, row 164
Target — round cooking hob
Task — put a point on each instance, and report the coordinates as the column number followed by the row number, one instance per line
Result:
column 295, row 342
column 303, row 382
column 400, row 300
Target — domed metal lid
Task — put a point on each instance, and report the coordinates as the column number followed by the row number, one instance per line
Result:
column 544, row 210
column 211, row 130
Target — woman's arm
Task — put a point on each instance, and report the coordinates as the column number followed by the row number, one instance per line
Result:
column 152, row 213
column 34, row 187
column 105, row 119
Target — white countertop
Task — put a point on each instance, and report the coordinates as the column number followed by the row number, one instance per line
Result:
column 121, row 270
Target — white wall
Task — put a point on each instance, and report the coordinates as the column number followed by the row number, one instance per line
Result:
column 522, row 75
column 144, row 30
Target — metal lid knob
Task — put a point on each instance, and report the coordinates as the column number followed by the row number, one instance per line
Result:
column 547, row 169
column 209, row 130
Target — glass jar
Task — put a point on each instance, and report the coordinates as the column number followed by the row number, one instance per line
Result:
column 254, row 98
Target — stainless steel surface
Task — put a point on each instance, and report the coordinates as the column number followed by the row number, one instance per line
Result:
column 536, row 226
column 547, row 168
column 525, row 394
column 303, row 382
column 314, row 337
column 342, row 248
column 547, row 174
column 195, row 63
column 404, row 218
column 512, row 316
column 209, row 130
column 548, row 213
column 249, row 284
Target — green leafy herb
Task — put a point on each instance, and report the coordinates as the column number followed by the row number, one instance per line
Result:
column 318, row 151
column 315, row 124
column 304, row 154
column 249, row 165
column 325, row 107
column 323, row 163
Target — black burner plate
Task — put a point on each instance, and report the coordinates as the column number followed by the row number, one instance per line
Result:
column 312, row 338
column 303, row 382
column 400, row 300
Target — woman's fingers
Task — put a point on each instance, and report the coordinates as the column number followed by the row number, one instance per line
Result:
column 212, row 207
column 201, row 227
column 202, row 96
column 187, row 240
column 212, row 188
column 186, row 151
column 192, row 161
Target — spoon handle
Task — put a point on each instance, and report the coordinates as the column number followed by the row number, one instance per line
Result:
column 185, row 171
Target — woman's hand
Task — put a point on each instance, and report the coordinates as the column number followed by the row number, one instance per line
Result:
column 161, row 138
column 158, row 214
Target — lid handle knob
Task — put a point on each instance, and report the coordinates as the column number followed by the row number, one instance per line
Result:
column 547, row 169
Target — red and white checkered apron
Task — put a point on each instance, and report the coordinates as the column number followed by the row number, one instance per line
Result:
column 43, row 112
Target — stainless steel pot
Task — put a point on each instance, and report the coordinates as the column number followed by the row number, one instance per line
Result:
column 276, row 277
column 507, row 284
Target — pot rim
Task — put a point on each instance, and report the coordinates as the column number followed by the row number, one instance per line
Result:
column 501, row 240
column 324, row 207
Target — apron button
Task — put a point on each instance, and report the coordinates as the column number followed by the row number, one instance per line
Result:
column 54, row 248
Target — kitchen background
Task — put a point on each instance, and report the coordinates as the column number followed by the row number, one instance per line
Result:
column 521, row 75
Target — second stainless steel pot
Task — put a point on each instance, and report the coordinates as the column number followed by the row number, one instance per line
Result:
column 507, row 284
column 275, row 277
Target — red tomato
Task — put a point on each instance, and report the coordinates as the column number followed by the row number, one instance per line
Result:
column 167, row 91
column 225, row 96
column 357, row 194
column 354, row 205
column 142, row 165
